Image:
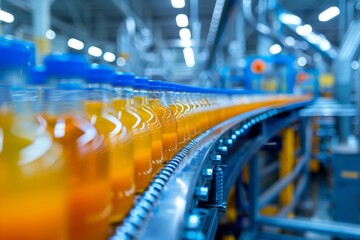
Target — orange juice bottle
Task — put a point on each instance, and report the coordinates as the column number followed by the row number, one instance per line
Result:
column 32, row 171
column 32, row 174
column 178, row 110
column 86, row 152
column 99, row 109
column 185, row 108
column 129, row 116
column 147, row 113
column 169, row 126
column 191, row 114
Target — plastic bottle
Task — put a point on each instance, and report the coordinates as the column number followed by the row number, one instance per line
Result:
column 102, row 115
column 129, row 116
column 178, row 110
column 147, row 114
column 167, row 119
column 85, row 150
column 32, row 173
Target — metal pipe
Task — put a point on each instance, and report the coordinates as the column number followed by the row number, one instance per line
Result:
column 221, row 15
column 349, row 51
column 332, row 228
column 276, row 188
column 299, row 190
column 261, row 27
column 269, row 169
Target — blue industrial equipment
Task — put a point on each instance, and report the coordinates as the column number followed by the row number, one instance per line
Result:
column 279, row 68
column 346, row 190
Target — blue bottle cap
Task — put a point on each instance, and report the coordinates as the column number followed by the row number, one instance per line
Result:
column 100, row 74
column 155, row 85
column 122, row 79
column 141, row 83
column 37, row 76
column 16, row 53
column 66, row 65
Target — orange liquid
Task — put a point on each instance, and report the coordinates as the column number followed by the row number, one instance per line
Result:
column 86, row 156
column 181, row 121
column 141, row 141
column 148, row 115
column 120, row 155
column 32, row 188
column 169, row 128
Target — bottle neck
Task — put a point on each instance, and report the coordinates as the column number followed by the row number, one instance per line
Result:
column 5, row 98
column 67, row 82
column 125, row 93
column 154, row 95
column 59, row 101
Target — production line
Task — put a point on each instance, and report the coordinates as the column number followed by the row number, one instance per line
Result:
column 244, row 128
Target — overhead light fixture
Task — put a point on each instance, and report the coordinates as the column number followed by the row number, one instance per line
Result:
column 304, row 30
column 182, row 20
column 355, row 65
column 189, row 56
column 275, row 49
column 6, row 17
column 178, row 3
column 120, row 61
column 50, row 34
column 301, row 61
column 287, row 18
column 290, row 41
column 95, row 51
column 325, row 45
column 109, row 57
column 75, row 44
column 328, row 14
column 185, row 34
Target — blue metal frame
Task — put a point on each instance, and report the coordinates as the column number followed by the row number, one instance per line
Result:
column 286, row 60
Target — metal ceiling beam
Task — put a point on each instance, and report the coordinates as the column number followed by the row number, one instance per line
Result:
column 127, row 11
column 64, row 26
column 221, row 16
column 349, row 51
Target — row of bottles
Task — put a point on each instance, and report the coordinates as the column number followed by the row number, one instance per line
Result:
column 79, row 141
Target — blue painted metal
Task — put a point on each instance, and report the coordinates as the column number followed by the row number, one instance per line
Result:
column 285, row 60
column 299, row 190
column 332, row 228
column 276, row 188
column 276, row 236
column 346, row 190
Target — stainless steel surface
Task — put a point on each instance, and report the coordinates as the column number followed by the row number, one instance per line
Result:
column 329, row 108
column 344, row 75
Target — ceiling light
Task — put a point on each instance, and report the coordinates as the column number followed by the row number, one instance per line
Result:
column 120, row 61
column 301, row 61
column 328, row 14
column 275, row 49
column 325, row 45
column 290, row 41
column 178, row 3
column 109, row 57
column 95, row 51
column 182, row 20
column 355, row 65
column 75, row 44
column 6, row 17
column 304, row 30
column 289, row 19
column 185, row 34
column 50, row 34
column 189, row 56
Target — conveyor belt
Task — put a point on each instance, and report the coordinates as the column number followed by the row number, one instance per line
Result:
column 184, row 200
